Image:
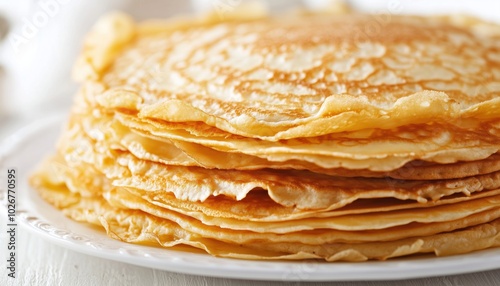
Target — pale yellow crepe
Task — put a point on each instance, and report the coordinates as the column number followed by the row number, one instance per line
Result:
column 301, row 189
column 176, row 152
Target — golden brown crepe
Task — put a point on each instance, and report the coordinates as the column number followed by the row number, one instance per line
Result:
column 136, row 224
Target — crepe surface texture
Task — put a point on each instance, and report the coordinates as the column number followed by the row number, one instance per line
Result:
column 293, row 136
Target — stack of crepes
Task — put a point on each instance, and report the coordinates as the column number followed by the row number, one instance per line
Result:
column 298, row 136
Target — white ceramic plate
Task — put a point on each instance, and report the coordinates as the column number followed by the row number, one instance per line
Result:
column 26, row 148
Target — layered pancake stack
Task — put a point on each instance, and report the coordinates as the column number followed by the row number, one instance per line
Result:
column 300, row 136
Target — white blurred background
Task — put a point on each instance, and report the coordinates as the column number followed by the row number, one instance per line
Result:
column 40, row 39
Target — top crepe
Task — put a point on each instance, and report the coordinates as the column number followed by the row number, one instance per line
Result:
column 288, row 77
